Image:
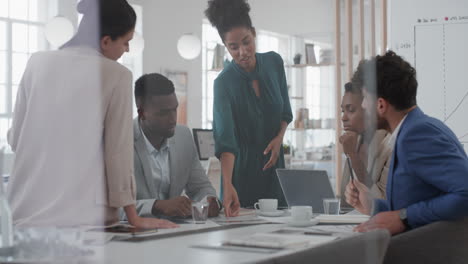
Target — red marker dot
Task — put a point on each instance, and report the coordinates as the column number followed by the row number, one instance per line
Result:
column 446, row 18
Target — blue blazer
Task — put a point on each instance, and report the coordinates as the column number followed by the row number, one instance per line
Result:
column 428, row 173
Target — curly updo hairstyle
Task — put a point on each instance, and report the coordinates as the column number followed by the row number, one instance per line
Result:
column 225, row 15
column 389, row 77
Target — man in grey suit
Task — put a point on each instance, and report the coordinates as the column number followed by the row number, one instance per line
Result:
column 166, row 161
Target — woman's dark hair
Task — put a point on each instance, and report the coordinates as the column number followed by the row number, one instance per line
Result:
column 228, row 14
column 390, row 77
column 113, row 18
column 350, row 88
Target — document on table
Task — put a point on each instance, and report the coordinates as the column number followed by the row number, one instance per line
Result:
column 187, row 228
column 277, row 220
column 100, row 235
column 278, row 241
column 334, row 229
column 245, row 219
column 342, row 219
column 246, row 216
column 269, row 242
column 221, row 246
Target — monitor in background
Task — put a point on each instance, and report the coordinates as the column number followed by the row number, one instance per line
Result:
column 305, row 187
column 204, row 141
column 2, row 154
column 2, row 178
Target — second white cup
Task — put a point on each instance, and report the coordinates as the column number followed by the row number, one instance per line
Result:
column 300, row 214
column 266, row 205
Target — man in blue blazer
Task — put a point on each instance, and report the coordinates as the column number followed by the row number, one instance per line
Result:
column 428, row 174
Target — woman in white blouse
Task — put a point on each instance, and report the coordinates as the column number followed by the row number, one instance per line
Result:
column 72, row 128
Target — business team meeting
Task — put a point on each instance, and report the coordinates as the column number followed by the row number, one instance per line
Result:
column 234, row 131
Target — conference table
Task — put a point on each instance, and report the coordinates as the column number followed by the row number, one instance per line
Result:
column 203, row 243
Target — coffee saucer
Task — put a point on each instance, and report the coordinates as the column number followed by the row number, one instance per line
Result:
column 311, row 222
column 272, row 213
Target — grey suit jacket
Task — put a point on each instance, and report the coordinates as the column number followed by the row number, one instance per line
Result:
column 186, row 171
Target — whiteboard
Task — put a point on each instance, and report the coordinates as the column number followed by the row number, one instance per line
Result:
column 433, row 36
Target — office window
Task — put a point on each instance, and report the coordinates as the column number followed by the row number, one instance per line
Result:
column 21, row 34
column 271, row 41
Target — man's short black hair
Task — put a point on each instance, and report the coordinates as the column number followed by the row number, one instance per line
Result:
column 153, row 84
column 389, row 77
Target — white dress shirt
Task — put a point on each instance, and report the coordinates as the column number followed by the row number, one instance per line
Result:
column 160, row 169
column 394, row 136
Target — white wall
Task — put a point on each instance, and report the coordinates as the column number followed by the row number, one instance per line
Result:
column 306, row 18
column 165, row 21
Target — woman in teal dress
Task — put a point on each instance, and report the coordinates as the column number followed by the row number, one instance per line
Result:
column 251, row 111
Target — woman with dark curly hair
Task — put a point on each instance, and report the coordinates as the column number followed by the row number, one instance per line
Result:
column 251, row 111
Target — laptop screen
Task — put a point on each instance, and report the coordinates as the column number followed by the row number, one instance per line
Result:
column 305, row 187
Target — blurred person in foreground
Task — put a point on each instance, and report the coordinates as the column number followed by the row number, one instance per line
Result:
column 72, row 128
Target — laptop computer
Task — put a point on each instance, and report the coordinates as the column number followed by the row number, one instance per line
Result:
column 305, row 187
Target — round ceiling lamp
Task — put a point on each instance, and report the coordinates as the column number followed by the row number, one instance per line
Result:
column 189, row 46
column 58, row 31
column 137, row 45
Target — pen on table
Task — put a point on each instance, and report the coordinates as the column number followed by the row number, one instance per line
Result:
column 350, row 169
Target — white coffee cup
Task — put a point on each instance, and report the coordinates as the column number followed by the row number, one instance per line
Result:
column 266, row 205
column 300, row 214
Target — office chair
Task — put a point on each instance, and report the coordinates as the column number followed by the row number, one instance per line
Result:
column 439, row 242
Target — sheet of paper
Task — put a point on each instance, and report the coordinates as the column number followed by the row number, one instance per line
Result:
column 242, row 219
column 277, row 240
column 189, row 227
column 245, row 216
column 236, row 248
column 342, row 219
column 338, row 229
column 278, row 219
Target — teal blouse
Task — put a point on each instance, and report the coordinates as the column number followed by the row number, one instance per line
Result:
column 244, row 124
